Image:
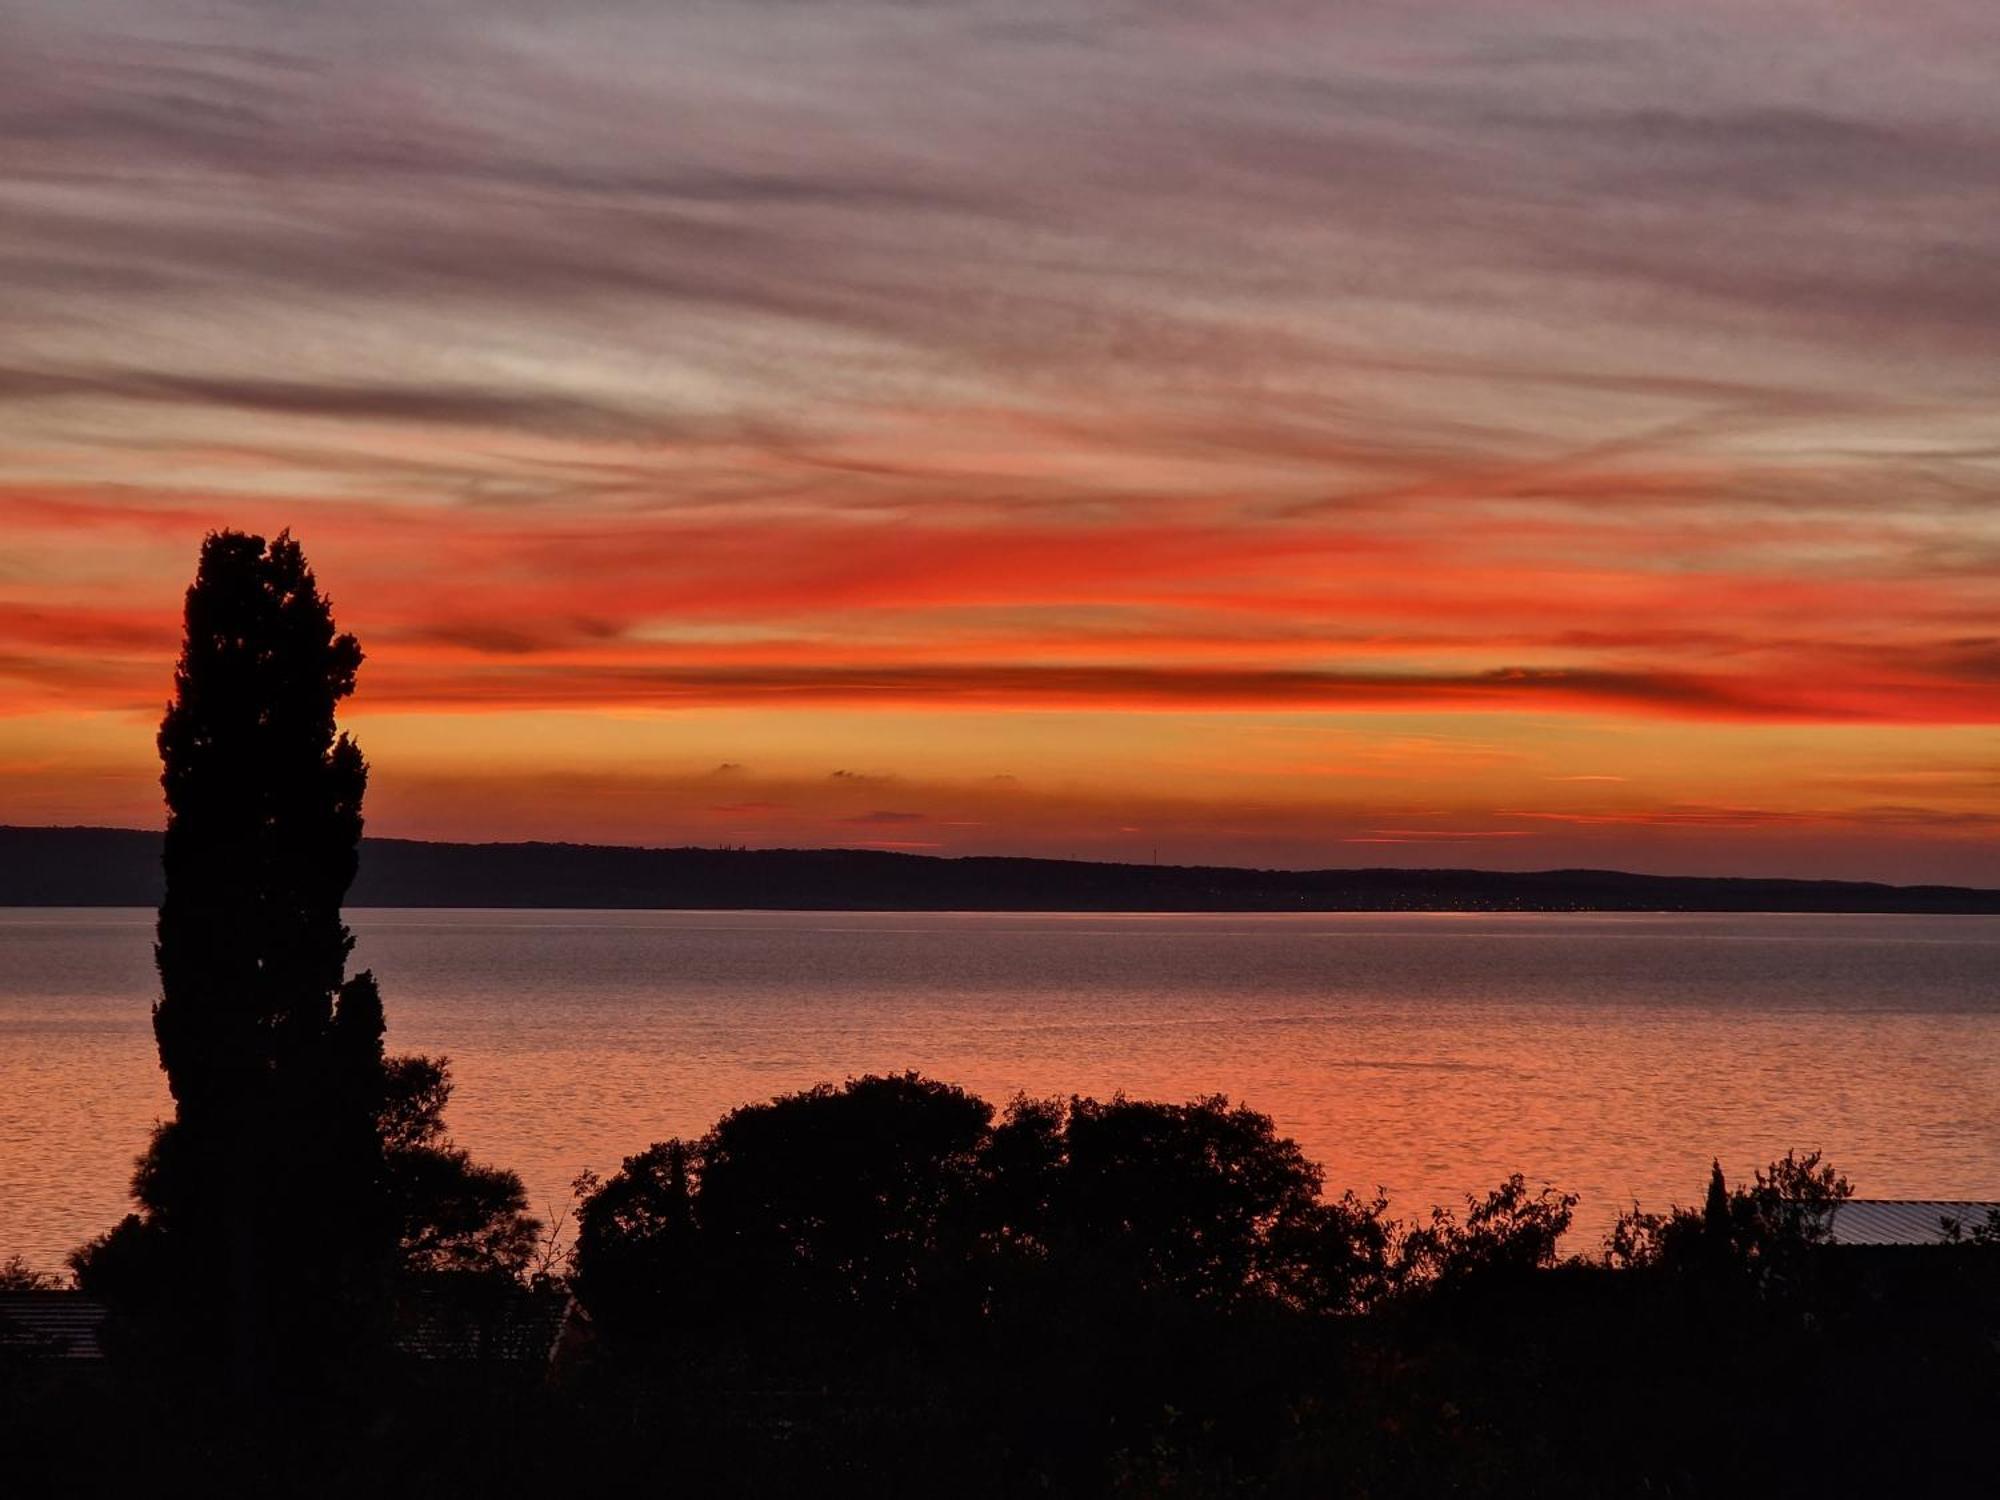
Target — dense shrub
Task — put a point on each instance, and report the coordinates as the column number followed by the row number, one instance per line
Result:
column 898, row 1197
column 1761, row 1235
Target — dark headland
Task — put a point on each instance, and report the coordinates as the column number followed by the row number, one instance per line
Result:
column 121, row 867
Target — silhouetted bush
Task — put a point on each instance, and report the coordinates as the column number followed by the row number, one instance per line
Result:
column 1984, row 1232
column 854, row 1196
column 1123, row 1296
column 17, row 1275
column 897, row 1196
column 1198, row 1200
column 638, row 1259
column 1762, row 1236
column 452, row 1214
column 1506, row 1234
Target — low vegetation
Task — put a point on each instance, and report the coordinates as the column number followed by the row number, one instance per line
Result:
column 889, row 1285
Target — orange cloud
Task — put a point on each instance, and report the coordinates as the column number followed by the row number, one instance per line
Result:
column 465, row 612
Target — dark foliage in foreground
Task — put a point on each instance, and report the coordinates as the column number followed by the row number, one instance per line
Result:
column 444, row 1213
column 887, row 1287
column 900, row 1202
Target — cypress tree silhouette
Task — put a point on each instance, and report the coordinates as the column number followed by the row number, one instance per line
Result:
column 266, row 1186
column 304, row 1176
column 1716, row 1216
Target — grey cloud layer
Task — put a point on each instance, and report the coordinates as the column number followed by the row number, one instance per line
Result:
column 623, row 222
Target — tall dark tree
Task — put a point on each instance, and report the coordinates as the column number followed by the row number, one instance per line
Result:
column 266, row 1186
column 1717, row 1238
column 302, row 1170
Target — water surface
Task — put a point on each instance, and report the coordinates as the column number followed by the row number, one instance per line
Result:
column 1432, row 1054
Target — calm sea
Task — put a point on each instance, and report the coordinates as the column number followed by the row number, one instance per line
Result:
column 1613, row 1055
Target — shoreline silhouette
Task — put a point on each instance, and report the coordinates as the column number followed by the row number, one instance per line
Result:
column 87, row 866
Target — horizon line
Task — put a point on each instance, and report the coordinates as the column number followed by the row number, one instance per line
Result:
column 907, row 854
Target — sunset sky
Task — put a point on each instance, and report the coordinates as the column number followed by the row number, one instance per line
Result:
column 1516, row 435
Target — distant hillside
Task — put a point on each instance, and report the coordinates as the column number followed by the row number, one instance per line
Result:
column 120, row 867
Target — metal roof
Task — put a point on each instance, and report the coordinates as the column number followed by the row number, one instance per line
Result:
column 50, row 1325
column 514, row 1327
column 1905, row 1221
column 511, row 1326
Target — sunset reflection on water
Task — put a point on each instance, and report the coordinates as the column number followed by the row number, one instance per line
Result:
column 1613, row 1055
